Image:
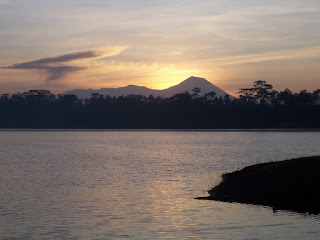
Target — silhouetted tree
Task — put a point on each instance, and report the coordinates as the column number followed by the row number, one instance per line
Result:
column 182, row 97
column 247, row 95
column 304, row 97
column 108, row 99
column 68, row 99
column 5, row 98
column 209, row 97
column 219, row 100
column 94, row 98
column 285, row 97
column 316, row 97
column 261, row 92
column 38, row 96
column 195, row 92
column 120, row 100
column 40, row 109
column 226, row 99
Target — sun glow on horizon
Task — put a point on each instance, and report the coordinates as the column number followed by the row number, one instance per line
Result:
column 156, row 75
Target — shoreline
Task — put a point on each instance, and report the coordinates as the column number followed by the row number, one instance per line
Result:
column 169, row 129
column 292, row 184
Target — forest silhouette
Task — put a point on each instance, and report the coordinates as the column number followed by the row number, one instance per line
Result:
column 258, row 107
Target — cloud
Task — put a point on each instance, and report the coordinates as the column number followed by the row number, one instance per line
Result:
column 4, row 2
column 302, row 53
column 60, row 72
column 55, row 66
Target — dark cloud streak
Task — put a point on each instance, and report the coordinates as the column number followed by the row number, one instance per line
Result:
column 60, row 72
column 53, row 65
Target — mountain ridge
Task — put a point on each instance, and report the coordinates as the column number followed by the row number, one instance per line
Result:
column 186, row 85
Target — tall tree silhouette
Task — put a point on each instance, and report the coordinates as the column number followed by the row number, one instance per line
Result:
column 261, row 92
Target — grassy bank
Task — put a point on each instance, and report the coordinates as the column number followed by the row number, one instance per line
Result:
column 290, row 185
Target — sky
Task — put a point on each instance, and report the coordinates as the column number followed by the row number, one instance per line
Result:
column 79, row 44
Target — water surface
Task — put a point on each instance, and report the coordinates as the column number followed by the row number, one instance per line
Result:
column 140, row 185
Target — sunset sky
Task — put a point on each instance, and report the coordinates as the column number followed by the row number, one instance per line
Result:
column 68, row 44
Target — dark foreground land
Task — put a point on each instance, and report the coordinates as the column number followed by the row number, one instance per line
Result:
column 158, row 116
column 288, row 185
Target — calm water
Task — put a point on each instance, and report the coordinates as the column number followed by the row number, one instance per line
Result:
column 140, row 185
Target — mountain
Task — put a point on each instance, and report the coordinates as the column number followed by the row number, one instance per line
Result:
column 187, row 85
column 191, row 83
column 114, row 92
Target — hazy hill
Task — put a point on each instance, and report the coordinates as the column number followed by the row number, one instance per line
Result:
column 186, row 85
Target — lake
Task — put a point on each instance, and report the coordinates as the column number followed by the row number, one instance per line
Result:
column 141, row 185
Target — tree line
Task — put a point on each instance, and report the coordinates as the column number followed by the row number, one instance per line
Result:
column 260, row 93
column 257, row 107
column 263, row 93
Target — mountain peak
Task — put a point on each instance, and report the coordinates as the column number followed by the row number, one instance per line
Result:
column 193, row 78
column 197, row 80
column 194, row 82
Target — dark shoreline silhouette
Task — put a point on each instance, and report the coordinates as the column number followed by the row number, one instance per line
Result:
column 286, row 185
column 259, row 107
column 158, row 116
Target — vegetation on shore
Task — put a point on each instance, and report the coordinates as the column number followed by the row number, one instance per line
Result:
column 257, row 107
column 260, row 93
column 289, row 185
